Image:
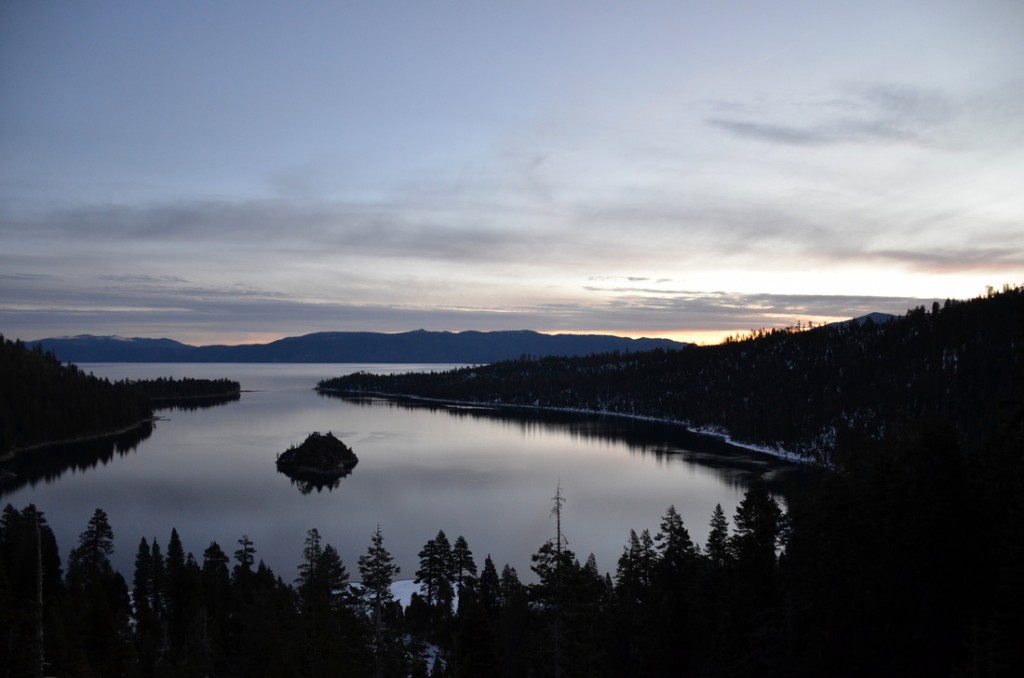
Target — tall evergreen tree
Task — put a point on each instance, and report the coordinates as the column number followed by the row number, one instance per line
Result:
column 758, row 527
column 555, row 565
column 675, row 621
column 377, row 570
column 216, row 584
column 511, row 586
column 91, row 558
column 324, row 599
column 515, row 623
column 434, row 575
column 490, row 586
column 717, row 547
column 246, row 554
column 676, row 551
column 635, row 572
column 182, row 592
column 463, row 567
column 142, row 583
column 158, row 581
column 99, row 598
column 31, row 593
column 148, row 626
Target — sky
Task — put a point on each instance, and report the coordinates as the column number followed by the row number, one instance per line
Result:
column 235, row 172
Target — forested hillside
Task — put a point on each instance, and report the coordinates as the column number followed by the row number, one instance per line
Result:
column 811, row 391
column 169, row 388
column 43, row 400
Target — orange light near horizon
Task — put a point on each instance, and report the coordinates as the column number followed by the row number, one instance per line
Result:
column 706, row 337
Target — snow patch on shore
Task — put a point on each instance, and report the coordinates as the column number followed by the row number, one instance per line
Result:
column 716, row 432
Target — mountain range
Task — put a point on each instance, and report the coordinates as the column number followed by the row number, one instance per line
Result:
column 420, row 346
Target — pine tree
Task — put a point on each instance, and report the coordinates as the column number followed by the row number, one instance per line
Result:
column 334, row 578
column 490, row 586
column 179, row 591
column 148, row 628
column 717, row 547
column 324, row 599
column 462, row 565
column 323, row 579
column 246, row 555
column 99, row 598
column 215, row 565
column 515, row 623
column 377, row 570
column 434, row 575
column 758, row 522
column 91, row 558
column 216, row 584
column 30, row 591
column 676, row 551
column 635, row 572
column 142, row 582
column 511, row 586
column 158, row 583
column 554, row 565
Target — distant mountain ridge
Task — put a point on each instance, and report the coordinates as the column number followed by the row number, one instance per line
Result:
column 419, row 346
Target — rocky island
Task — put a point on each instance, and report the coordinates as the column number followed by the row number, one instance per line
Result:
column 319, row 457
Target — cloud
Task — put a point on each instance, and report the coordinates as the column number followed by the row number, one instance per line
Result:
column 858, row 114
column 740, row 311
column 136, row 279
column 387, row 229
column 779, row 134
column 970, row 259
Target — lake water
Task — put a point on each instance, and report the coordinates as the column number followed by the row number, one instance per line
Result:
column 486, row 474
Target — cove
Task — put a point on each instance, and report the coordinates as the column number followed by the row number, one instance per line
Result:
column 486, row 474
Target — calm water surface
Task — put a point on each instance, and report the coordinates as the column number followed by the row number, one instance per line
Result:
column 485, row 474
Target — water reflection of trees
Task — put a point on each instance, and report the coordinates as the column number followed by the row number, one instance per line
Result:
column 49, row 463
column 193, row 404
column 668, row 443
column 308, row 483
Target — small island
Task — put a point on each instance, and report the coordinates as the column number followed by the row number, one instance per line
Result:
column 320, row 456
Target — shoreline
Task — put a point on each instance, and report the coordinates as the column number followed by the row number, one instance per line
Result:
column 777, row 453
column 208, row 396
column 12, row 453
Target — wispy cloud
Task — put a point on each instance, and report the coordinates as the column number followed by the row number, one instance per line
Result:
column 969, row 259
column 861, row 114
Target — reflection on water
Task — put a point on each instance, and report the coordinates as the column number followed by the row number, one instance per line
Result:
column 666, row 442
column 49, row 463
column 193, row 404
column 307, row 484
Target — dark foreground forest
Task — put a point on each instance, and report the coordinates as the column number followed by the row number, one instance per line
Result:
column 907, row 562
